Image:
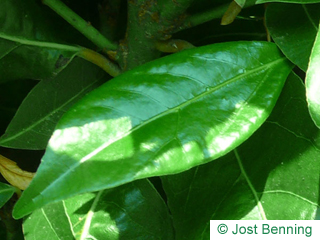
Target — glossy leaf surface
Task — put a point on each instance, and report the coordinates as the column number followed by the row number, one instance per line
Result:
column 39, row 113
column 293, row 27
column 6, row 192
column 313, row 82
column 274, row 175
column 161, row 118
column 29, row 47
column 132, row 211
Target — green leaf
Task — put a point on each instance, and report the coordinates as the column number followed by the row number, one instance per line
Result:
column 132, row 211
column 6, row 192
column 28, row 45
column 39, row 113
column 313, row 82
column 293, row 28
column 289, row 1
column 12, row 94
column 274, row 175
column 161, row 118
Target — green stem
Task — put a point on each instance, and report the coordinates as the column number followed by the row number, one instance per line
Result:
column 209, row 15
column 81, row 25
column 138, row 47
column 149, row 23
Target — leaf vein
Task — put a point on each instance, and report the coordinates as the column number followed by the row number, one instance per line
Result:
column 254, row 192
column 293, row 194
column 47, row 115
column 295, row 134
column 309, row 17
column 172, row 110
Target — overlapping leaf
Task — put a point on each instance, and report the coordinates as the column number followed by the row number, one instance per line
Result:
column 161, row 118
column 293, row 27
column 132, row 211
column 274, row 175
column 29, row 47
column 6, row 192
column 39, row 113
column 313, row 82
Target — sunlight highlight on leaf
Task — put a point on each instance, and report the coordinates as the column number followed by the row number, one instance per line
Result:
column 173, row 102
column 313, row 82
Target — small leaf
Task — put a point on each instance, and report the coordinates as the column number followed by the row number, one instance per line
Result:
column 294, row 27
column 232, row 12
column 28, row 46
column 164, row 117
column 313, row 82
column 132, row 211
column 273, row 175
column 40, row 111
column 13, row 174
column 6, row 192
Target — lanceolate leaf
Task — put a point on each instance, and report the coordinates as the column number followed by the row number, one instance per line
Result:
column 6, row 192
column 161, row 118
column 313, row 82
column 294, row 27
column 132, row 211
column 39, row 113
column 274, row 175
column 28, row 46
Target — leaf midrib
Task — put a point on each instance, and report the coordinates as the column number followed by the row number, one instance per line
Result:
column 176, row 108
column 103, row 146
column 40, row 43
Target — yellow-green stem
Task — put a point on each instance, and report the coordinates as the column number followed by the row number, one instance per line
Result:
column 100, row 61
